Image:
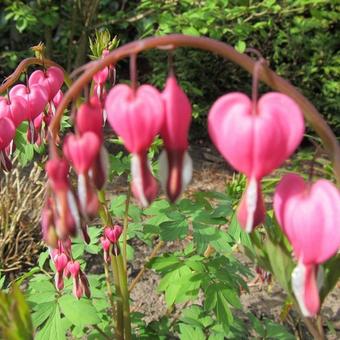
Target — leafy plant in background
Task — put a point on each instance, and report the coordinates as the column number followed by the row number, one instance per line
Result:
column 204, row 275
column 279, row 29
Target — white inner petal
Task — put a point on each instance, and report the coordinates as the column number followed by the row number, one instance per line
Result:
column 163, row 171
column 72, row 203
column 137, row 179
column 251, row 201
column 186, row 170
column 298, row 286
column 82, row 194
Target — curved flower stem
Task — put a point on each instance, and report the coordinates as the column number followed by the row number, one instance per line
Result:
column 178, row 40
column 22, row 67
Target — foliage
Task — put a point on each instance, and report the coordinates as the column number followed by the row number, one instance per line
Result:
column 278, row 29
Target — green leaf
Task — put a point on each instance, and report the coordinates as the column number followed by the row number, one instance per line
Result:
column 277, row 331
column 53, row 328
column 174, row 230
column 188, row 332
column 190, row 31
column 331, row 275
column 42, row 312
column 42, row 258
column 223, row 313
column 281, row 263
column 79, row 312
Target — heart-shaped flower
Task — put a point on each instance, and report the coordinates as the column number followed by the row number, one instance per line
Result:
column 309, row 215
column 14, row 109
column 255, row 139
column 89, row 117
column 175, row 163
column 137, row 117
column 36, row 97
column 74, row 268
column 256, row 142
column 81, row 151
column 52, row 79
column 7, row 132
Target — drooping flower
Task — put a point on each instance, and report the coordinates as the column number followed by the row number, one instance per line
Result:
column 175, row 162
column 137, row 117
column 309, row 215
column 80, row 283
column 81, row 151
column 67, row 219
column 14, row 109
column 7, row 134
column 51, row 80
column 255, row 140
column 36, row 100
column 89, row 118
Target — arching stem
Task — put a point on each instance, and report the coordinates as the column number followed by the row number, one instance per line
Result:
column 224, row 50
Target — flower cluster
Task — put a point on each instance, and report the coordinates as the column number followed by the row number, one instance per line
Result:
column 34, row 102
column 66, row 267
column 109, row 241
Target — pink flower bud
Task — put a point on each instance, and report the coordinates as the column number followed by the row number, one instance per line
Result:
column 73, row 267
column 113, row 233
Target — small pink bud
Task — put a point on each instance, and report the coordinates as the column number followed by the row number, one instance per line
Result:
column 105, row 243
column 60, row 261
column 113, row 233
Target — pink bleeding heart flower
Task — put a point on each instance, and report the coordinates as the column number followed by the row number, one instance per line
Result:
column 82, row 151
column 175, row 163
column 52, row 79
column 36, row 97
column 60, row 261
column 57, row 172
column 74, row 268
column 309, row 215
column 89, row 118
column 137, row 117
column 106, row 248
column 113, row 233
column 7, row 134
column 67, row 219
column 255, row 140
column 14, row 109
